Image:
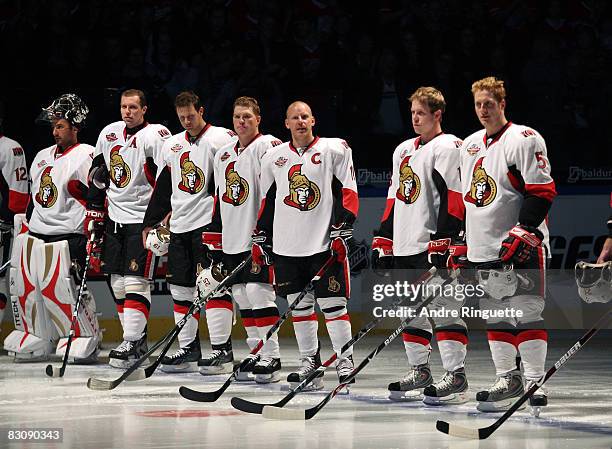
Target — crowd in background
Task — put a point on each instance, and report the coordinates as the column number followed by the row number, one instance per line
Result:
column 355, row 63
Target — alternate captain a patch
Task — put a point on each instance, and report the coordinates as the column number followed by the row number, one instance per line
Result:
column 409, row 183
column 120, row 172
column 236, row 187
column 47, row 192
column 303, row 193
column 192, row 176
column 482, row 188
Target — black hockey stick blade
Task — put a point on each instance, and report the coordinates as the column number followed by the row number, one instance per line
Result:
column 484, row 432
column 204, row 396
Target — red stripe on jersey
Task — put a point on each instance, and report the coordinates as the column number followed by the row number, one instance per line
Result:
column 261, row 208
column 532, row 334
column 546, row 191
column 507, row 337
column 248, row 322
column 181, row 309
column 456, row 206
column 136, row 305
column 389, row 207
column 450, row 335
column 347, row 277
column 266, row 321
column 219, row 304
column 541, row 266
column 18, row 202
column 411, row 338
column 74, row 189
column 119, row 308
column 344, row 317
column 149, row 174
column 516, row 182
column 350, row 201
column 311, row 317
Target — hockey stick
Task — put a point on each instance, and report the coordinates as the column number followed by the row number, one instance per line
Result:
column 257, row 408
column 484, row 432
column 211, row 396
column 301, row 414
column 59, row 372
column 134, row 372
column 5, row 266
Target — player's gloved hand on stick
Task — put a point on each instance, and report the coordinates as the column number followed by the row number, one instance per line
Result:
column 262, row 248
column 94, row 244
column 94, row 220
column 520, row 244
column 341, row 236
column 437, row 252
column 382, row 253
column 457, row 255
column 214, row 247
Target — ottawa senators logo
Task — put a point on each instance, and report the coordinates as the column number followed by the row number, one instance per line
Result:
column 482, row 188
column 236, row 187
column 333, row 285
column 192, row 176
column 303, row 193
column 409, row 183
column 47, row 192
column 120, row 172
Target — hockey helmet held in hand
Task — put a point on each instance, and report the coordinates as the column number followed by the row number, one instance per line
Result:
column 158, row 241
column 498, row 283
column 69, row 107
column 209, row 279
column 594, row 281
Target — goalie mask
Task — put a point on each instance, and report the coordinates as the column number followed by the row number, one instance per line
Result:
column 498, row 283
column 158, row 241
column 594, row 281
column 69, row 107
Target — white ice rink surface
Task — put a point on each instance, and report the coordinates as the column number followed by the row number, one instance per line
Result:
column 151, row 413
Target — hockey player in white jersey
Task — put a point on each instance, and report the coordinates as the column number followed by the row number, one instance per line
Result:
column 238, row 197
column 49, row 259
column 423, row 215
column 310, row 201
column 508, row 190
column 185, row 187
column 13, row 200
column 122, row 178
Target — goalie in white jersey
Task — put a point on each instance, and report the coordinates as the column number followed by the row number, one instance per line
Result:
column 13, row 200
column 185, row 187
column 237, row 200
column 122, row 178
column 309, row 206
column 423, row 215
column 508, row 190
column 48, row 259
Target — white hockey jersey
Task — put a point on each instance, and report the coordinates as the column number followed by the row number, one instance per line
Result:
column 13, row 178
column 305, row 192
column 239, row 195
column 131, row 181
column 58, row 186
column 497, row 175
column 191, row 170
column 424, row 195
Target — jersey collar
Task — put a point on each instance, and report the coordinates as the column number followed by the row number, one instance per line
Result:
column 65, row 152
column 237, row 145
column 308, row 147
column 418, row 143
column 133, row 131
column 495, row 137
column 190, row 139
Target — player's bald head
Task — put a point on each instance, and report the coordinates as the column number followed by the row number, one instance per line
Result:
column 298, row 105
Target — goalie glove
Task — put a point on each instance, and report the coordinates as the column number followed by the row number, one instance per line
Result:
column 262, row 248
column 520, row 244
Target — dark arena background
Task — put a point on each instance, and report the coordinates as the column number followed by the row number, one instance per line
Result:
column 356, row 64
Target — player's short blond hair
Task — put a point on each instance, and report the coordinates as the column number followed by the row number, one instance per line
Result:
column 490, row 84
column 430, row 96
column 248, row 102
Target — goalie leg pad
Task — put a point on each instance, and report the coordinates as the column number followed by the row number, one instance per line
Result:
column 34, row 334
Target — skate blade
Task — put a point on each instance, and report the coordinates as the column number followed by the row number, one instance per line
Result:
column 406, row 396
column 535, row 411
column 244, row 377
column 267, row 378
column 453, row 399
column 312, row 386
column 498, row 406
column 226, row 368
column 188, row 367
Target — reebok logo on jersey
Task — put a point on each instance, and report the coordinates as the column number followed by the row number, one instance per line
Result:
column 112, row 137
column 47, row 192
column 409, row 183
column 120, row 173
column 236, row 187
column 482, row 188
column 192, row 176
column 303, row 193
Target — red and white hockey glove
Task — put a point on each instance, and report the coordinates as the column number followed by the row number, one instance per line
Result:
column 520, row 244
column 382, row 253
column 94, row 221
column 262, row 248
column 340, row 236
column 457, row 255
column 212, row 242
column 437, row 252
